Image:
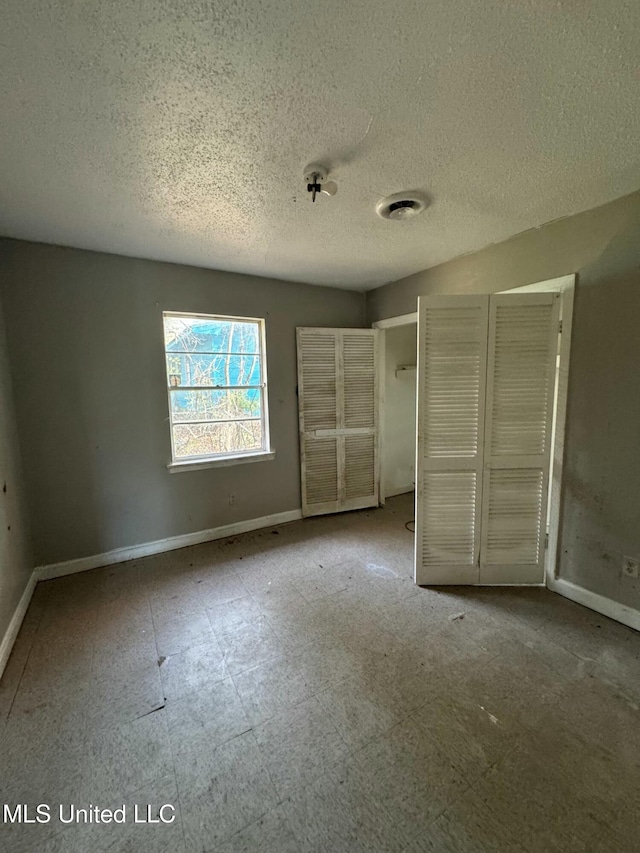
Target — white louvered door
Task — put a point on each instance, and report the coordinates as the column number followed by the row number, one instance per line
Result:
column 452, row 359
column 523, row 344
column 318, row 367
column 338, row 400
column 486, row 380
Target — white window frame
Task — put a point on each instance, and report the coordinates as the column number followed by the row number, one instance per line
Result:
column 204, row 460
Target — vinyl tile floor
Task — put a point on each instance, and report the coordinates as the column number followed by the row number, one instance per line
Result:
column 291, row 690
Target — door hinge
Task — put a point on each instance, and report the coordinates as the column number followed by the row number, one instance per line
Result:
column 559, row 327
column 546, row 540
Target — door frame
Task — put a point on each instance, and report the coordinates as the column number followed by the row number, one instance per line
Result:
column 565, row 285
column 382, row 326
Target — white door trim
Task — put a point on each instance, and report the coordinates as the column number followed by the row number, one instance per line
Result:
column 392, row 322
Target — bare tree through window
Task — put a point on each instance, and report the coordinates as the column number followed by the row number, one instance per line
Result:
column 216, row 385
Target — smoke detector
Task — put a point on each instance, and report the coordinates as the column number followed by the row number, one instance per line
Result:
column 401, row 206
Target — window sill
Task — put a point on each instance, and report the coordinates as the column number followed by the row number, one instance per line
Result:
column 222, row 462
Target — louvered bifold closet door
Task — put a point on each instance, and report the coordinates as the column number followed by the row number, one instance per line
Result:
column 452, row 359
column 523, row 343
column 338, row 413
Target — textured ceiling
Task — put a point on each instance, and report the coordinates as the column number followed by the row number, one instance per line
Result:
column 179, row 130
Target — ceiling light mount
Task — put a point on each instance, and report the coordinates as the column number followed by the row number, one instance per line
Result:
column 401, row 206
column 315, row 177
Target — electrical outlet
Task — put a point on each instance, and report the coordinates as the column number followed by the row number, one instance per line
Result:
column 630, row 567
column 232, row 499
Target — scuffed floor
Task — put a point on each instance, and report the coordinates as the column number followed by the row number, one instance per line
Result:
column 292, row 690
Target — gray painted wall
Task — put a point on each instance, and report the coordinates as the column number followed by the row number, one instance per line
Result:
column 86, row 349
column 15, row 555
column 601, row 506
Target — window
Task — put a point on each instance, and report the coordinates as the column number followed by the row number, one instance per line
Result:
column 216, row 379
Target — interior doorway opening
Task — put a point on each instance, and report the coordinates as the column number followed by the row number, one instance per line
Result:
column 398, row 357
column 399, row 410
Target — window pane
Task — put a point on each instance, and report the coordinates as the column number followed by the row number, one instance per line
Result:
column 215, row 405
column 208, row 439
column 197, row 334
column 196, row 369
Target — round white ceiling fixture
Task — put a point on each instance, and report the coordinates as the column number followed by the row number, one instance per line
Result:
column 401, row 206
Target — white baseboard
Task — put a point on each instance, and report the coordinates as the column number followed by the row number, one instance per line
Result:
column 16, row 621
column 134, row 552
column 612, row 609
column 399, row 490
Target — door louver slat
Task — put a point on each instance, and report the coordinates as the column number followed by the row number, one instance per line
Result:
column 359, row 354
column 359, row 466
column 515, row 525
column 450, row 508
column 520, row 407
column 523, row 338
column 454, row 346
column 452, row 355
column 322, row 470
column 319, row 374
